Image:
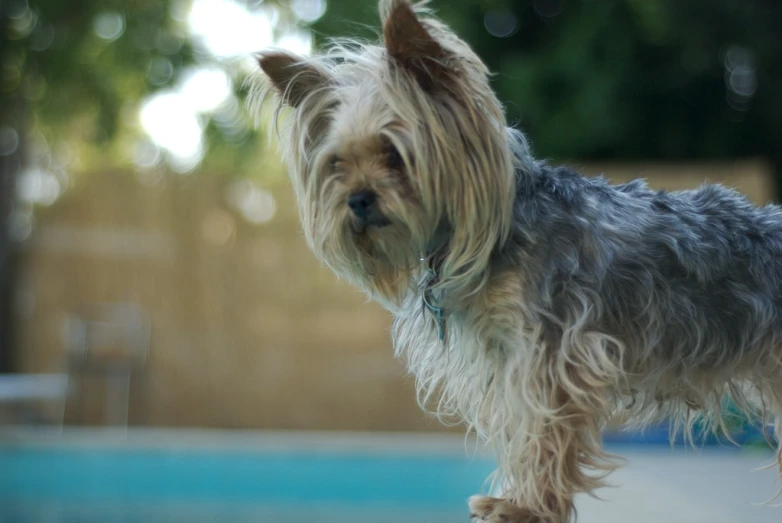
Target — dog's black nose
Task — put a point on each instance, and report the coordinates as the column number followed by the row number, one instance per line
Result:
column 361, row 203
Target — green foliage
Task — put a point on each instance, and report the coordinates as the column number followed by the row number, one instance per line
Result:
column 73, row 80
column 587, row 79
column 75, row 74
column 635, row 79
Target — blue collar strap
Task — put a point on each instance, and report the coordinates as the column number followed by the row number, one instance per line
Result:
column 427, row 297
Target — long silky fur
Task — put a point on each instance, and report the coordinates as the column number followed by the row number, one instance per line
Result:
column 571, row 303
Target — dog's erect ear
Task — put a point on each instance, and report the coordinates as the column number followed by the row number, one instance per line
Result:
column 292, row 76
column 410, row 45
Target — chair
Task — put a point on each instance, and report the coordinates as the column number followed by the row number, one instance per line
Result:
column 110, row 340
column 18, row 391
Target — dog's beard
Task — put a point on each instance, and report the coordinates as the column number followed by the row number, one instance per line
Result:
column 379, row 253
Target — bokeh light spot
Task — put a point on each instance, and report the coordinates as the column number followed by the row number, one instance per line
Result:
column 229, row 29
column 146, row 154
column 23, row 20
column 38, row 186
column 173, row 125
column 17, row 8
column 42, row 37
column 20, row 225
column 167, row 43
column 256, row 204
column 740, row 77
column 9, row 141
column 160, row 71
column 109, row 25
column 500, row 23
column 299, row 42
column 205, row 89
column 309, row 10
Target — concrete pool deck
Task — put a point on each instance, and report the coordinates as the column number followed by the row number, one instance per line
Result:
column 684, row 486
column 658, row 484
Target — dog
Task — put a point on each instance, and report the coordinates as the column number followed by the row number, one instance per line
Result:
column 533, row 303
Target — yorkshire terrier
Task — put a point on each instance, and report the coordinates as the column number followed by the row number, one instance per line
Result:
column 532, row 302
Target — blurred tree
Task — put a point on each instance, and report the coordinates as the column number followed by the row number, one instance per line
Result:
column 67, row 71
column 9, row 162
column 73, row 76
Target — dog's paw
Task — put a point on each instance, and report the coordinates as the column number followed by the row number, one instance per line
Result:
column 495, row 510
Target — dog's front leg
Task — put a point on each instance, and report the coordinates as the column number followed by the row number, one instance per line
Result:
column 548, row 471
column 551, row 447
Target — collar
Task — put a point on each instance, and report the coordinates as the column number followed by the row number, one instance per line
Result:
column 431, row 260
column 427, row 295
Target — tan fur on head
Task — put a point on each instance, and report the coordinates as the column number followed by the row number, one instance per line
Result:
column 426, row 94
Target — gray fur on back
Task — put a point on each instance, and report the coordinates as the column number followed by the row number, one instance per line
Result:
column 689, row 279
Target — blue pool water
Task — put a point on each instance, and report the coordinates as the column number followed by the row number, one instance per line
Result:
column 215, row 476
column 160, row 485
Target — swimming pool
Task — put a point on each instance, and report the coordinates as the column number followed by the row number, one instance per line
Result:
column 167, row 477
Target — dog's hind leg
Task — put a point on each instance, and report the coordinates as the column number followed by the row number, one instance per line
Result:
column 778, row 432
column 768, row 400
column 774, row 399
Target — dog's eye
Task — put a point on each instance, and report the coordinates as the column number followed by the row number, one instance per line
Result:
column 334, row 162
column 395, row 160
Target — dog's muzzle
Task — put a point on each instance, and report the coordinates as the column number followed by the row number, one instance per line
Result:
column 364, row 206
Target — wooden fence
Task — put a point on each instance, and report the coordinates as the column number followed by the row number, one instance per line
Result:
column 248, row 330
